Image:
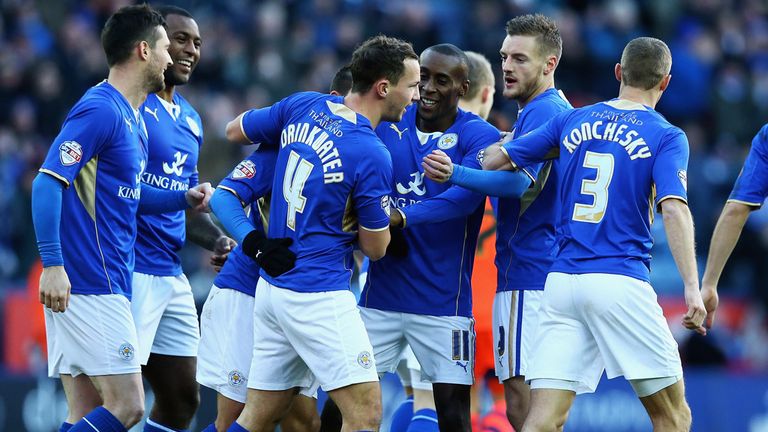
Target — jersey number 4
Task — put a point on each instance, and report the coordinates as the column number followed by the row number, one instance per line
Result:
column 597, row 188
column 296, row 174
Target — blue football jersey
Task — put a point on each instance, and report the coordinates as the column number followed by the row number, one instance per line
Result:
column 618, row 160
column 100, row 154
column 332, row 174
column 250, row 181
column 435, row 277
column 751, row 187
column 175, row 137
column 525, row 227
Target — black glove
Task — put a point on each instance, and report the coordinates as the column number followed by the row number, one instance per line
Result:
column 398, row 246
column 272, row 255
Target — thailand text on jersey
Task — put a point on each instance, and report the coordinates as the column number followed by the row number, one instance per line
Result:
column 175, row 136
column 332, row 175
column 100, row 154
column 618, row 160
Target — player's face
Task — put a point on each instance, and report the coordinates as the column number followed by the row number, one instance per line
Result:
column 184, row 50
column 442, row 82
column 159, row 61
column 523, row 67
column 401, row 95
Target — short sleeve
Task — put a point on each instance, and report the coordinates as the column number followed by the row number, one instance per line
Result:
column 372, row 188
column 481, row 134
column 670, row 168
column 535, row 146
column 264, row 125
column 252, row 178
column 86, row 131
column 751, row 186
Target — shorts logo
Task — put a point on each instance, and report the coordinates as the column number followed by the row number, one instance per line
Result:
column 364, row 359
column 245, row 169
column 236, row 378
column 70, row 153
column 385, row 204
column 126, row 351
column 447, row 141
column 500, row 349
column 683, row 176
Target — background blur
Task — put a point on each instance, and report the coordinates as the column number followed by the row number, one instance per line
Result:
column 256, row 52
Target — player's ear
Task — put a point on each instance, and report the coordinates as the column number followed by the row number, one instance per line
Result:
column 617, row 72
column 464, row 88
column 665, row 82
column 485, row 94
column 381, row 87
column 144, row 49
column 550, row 65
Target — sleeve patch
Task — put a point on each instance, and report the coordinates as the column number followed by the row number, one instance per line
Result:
column 244, row 170
column 70, row 153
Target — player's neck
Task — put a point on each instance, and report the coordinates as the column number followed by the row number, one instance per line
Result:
column 646, row 97
column 126, row 83
column 167, row 93
column 436, row 125
column 471, row 106
column 363, row 105
column 544, row 86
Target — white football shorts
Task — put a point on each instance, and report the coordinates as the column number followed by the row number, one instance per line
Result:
column 94, row 336
column 165, row 315
column 303, row 335
column 594, row 322
column 515, row 318
column 409, row 371
column 226, row 344
column 443, row 345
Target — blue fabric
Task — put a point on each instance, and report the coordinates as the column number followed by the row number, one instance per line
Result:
column 227, row 207
column 99, row 419
column 155, row 200
column 65, row 427
column 424, row 420
column 153, row 426
column 46, row 215
column 495, row 183
column 236, row 428
column 210, row 428
column 402, row 416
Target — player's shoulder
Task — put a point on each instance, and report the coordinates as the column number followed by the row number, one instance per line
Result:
column 101, row 102
column 548, row 104
column 306, row 97
column 186, row 107
column 472, row 127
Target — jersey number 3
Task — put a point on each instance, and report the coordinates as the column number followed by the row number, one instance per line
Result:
column 597, row 188
column 296, row 174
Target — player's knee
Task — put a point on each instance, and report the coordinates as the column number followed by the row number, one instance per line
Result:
column 129, row 412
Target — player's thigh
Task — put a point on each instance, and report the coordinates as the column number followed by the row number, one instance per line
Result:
column 667, row 404
column 444, row 347
column 149, row 298
column 120, row 390
column 327, row 332
column 82, row 396
column 385, row 331
column 515, row 321
column 226, row 343
column 564, row 348
column 275, row 363
column 356, row 400
column 227, row 411
column 95, row 336
column 178, row 332
column 549, row 409
column 629, row 327
column 302, row 416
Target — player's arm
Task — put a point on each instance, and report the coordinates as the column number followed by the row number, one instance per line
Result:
column 203, row 232
column 374, row 243
column 235, row 133
column 47, row 197
column 670, row 178
column 749, row 193
column 724, row 239
column 155, row 200
column 264, row 125
column 536, row 146
column 371, row 200
column 438, row 167
column 678, row 225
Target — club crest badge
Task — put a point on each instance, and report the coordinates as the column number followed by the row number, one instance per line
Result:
column 447, row 141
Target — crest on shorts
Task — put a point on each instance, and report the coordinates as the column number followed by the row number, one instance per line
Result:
column 365, row 360
column 70, row 153
column 447, row 141
column 236, row 378
column 245, row 169
column 126, row 351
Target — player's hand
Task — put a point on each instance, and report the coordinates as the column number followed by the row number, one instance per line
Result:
column 694, row 318
column 198, row 197
column 221, row 250
column 711, row 300
column 55, row 288
column 438, row 166
column 398, row 246
column 272, row 255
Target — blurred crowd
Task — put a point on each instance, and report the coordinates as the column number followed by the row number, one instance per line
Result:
column 255, row 52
